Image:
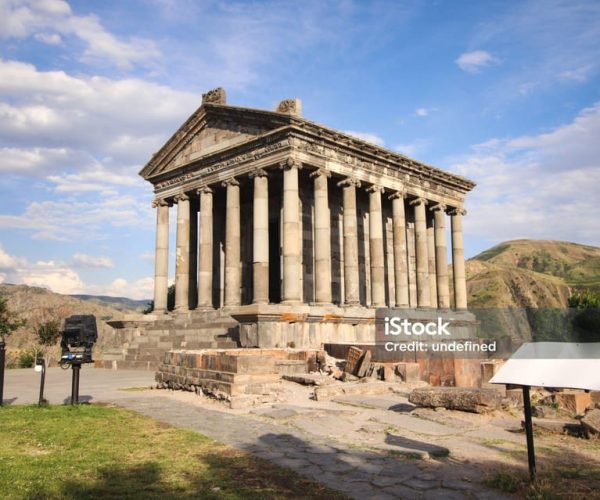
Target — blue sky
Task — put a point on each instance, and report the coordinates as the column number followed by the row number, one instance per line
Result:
column 505, row 93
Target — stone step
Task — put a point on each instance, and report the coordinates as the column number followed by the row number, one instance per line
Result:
column 291, row 366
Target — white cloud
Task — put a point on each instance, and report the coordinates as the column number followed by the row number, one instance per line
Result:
column 473, row 62
column 421, row 112
column 542, row 186
column 60, row 278
column 366, row 136
column 47, row 19
column 48, row 38
column 90, row 261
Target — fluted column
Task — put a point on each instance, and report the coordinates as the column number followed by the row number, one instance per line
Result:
column 182, row 258
column 205, row 273
column 260, row 238
column 161, row 261
column 322, row 237
column 431, row 268
column 292, row 241
column 351, row 284
column 376, row 247
column 441, row 256
column 400, row 255
column 423, row 297
column 233, row 275
column 458, row 258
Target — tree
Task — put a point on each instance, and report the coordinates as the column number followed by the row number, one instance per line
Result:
column 170, row 301
column 9, row 321
column 46, row 323
column 586, row 306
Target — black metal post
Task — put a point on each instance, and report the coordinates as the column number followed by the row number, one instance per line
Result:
column 75, row 383
column 2, row 361
column 42, row 363
column 529, row 431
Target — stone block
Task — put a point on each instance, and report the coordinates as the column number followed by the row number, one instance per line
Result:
column 389, row 373
column 409, row 372
column 595, row 397
column 328, row 392
column 574, row 402
column 455, row 398
column 591, row 422
column 363, row 364
column 352, row 359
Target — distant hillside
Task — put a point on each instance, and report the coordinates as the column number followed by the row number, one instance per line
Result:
column 31, row 303
column 120, row 303
column 531, row 273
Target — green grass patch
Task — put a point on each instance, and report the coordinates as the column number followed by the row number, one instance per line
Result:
column 91, row 451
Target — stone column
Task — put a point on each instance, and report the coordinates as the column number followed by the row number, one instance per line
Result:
column 205, row 273
column 400, row 255
column 161, row 261
column 376, row 247
column 291, row 237
column 458, row 258
column 351, row 285
column 322, row 238
column 423, row 297
column 441, row 256
column 431, row 260
column 233, row 275
column 260, row 238
column 182, row 258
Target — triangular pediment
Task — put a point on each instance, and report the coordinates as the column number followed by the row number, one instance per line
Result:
column 209, row 130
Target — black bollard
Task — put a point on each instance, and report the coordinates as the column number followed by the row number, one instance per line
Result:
column 2, row 361
column 42, row 364
column 75, row 383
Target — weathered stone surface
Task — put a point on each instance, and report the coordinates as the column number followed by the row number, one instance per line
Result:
column 591, row 422
column 309, row 379
column 328, row 392
column 363, row 364
column 574, row 402
column 352, row 359
column 453, row 398
column 409, row 372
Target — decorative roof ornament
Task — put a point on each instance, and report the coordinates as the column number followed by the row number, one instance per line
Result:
column 215, row 96
column 290, row 106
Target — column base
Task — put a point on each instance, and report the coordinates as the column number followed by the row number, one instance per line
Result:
column 292, row 302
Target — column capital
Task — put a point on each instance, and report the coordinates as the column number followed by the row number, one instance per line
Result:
column 374, row 188
column 319, row 172
column 457, row 211
column 438, row 207
column 397, row 194
column 418, row 201
column 290, row 163
column 349, row 182
column 232, row 181
column 204, row 189
column 161, row 202
column 181, row 197
column 258, row 173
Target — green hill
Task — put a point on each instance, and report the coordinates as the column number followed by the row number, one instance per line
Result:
column 531, row 273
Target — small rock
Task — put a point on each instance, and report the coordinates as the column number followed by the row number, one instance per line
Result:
column 591, row 422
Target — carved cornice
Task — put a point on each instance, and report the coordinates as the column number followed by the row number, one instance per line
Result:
column 349, row 182
column 438, row 207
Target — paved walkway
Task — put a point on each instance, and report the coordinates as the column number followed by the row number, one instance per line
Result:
column 361, row 451
column 359, row 473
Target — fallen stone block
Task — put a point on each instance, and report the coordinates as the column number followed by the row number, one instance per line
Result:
column 363, row 364
column 591, row 422
column 456, row 398
column 328, row 392
column 572, row 427
column 574, row 402
column 352, row 359
column 308, row 379
column 595, row 397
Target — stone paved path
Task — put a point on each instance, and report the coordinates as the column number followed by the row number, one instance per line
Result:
column 360, row 473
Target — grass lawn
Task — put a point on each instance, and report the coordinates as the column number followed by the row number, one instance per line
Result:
column 92, row 451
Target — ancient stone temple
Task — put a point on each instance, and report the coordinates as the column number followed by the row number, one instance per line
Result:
column 295, row 232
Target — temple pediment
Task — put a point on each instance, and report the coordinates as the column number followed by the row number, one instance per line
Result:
column 212, row 128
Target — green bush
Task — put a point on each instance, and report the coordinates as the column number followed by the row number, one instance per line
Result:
column 26, row 359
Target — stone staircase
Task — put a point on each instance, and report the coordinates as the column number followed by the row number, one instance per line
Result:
column 144, row 340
